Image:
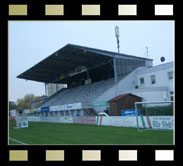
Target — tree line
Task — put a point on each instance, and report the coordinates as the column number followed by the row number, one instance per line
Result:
column 23, row 103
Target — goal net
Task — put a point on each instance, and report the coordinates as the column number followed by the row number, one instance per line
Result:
column 154, row 115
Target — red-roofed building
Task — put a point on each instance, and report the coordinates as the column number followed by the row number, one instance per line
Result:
column 123, row 102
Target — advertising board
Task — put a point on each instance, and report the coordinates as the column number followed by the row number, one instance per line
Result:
column 162, row 122
column 73, row 106
column 24, row 124
column 84, row 120
column 130, row 112
column 45, row 109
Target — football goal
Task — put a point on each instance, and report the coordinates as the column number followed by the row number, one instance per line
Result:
column 156, row 115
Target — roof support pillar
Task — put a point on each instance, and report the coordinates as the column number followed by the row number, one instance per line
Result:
column 46, row 94
column 88, row 76
column 115, row 74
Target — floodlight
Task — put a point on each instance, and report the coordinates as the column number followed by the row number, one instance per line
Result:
column 117, row 31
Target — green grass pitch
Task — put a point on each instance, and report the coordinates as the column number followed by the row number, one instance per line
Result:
column 40, row 133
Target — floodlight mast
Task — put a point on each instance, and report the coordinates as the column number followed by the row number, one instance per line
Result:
column 114, row 59
column 117, row 36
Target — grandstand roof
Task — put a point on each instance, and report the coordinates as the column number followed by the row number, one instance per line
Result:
column 67, row 59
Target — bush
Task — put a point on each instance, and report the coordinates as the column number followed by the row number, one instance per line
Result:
column 158, row 111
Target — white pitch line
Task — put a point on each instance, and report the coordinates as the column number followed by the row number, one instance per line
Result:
column 17, row 141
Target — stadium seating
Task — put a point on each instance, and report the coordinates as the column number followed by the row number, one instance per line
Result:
column 85, row 94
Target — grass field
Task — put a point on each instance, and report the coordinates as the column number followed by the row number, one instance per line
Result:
column 57, row 133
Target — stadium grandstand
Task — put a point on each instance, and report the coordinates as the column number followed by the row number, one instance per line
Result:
column 89, row 73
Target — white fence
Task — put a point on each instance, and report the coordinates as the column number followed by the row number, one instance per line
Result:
column 63, row 119
column 156, row 122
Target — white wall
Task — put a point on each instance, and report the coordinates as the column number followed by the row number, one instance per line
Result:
column 53, row 88
column 161, row 74
column 159, row 95
column 127, row 83
column 157, row 122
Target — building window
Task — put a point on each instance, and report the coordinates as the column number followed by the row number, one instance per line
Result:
column 170, row 75
column 171, row 96
column 142, row 81
column 153, row 79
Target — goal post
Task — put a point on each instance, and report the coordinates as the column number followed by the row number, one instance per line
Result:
column 155, row 115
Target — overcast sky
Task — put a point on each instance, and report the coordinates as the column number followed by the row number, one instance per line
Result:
column 32, row 41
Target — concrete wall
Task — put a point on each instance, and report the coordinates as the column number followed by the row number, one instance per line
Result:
column 127, row 83
column 53, row 88
column 151, row 94
column 156, row 122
